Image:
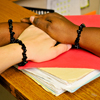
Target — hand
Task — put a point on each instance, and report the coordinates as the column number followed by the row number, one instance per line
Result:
column 40, row 46
column 57, row 26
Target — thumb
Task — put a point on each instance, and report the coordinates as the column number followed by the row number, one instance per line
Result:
column 39, row 22
column 59, row 49
column 32, row 19
column 26, row 20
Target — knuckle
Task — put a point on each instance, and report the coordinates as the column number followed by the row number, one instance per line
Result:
column 47, row 25
column 36, row 21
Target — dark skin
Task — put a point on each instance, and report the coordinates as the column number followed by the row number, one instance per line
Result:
column 18, row 28
column 64, row 31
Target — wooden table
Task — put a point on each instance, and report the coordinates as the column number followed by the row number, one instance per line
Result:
column 24, row 88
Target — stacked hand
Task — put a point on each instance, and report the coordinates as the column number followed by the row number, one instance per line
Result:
column 64, row 31
column 40, row 46
column 57, row 26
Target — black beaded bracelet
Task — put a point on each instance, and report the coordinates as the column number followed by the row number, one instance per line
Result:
column 24, row 52
column 78, row 36
column 12, row 40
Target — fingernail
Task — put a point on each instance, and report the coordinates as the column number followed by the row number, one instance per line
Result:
column 32, row 19
column 69, row 46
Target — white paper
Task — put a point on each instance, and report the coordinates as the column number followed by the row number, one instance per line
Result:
column 56, row 85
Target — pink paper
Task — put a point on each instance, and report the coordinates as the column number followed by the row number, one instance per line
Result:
column 88, row 20
column 74, row 58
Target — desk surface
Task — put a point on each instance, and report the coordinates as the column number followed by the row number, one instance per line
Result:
column 24, row 88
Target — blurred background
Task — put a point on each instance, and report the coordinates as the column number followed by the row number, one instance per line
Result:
column 65, row 7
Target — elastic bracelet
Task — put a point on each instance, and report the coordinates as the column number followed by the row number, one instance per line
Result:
column 12, row 40
column 78, row 36
column 24, row 52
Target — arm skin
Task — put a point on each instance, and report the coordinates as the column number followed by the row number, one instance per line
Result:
column 18, row 28
column 64, row 31
column 40, row 47
column 9, row 57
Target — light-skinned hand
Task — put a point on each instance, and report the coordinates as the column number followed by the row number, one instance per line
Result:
column 40, row 46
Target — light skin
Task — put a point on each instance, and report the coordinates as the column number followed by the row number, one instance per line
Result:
column 40, row 47
column 64, row 31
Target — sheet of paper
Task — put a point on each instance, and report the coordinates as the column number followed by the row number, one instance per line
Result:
column 68, row 74
column 65, row 7
column 56, row 85
column 74, row 58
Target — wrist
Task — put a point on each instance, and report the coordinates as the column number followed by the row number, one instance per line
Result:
column 10, row 55
column 18, row 28
column 24, row 52
column 13, row 40
column 78, row 36
column 73, row 34
column 15, row 53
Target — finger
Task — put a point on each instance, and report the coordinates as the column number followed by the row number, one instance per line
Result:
column 32, row 19
column 40, row 23
column 26, row 20
column 59, row 49
column 46, row 17
column 36, row 16
column 44, row 24
column 50, row 16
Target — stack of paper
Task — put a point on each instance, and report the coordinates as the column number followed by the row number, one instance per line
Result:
column 73, row 78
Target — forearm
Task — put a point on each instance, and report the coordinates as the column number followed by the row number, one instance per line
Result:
column 9, row 57
column 90, row 40
column 4, row 31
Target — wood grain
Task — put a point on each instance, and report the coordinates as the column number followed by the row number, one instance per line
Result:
column 24, row 88
column 10, row 10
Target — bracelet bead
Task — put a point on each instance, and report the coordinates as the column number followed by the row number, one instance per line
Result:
column 78, row 36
